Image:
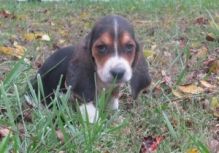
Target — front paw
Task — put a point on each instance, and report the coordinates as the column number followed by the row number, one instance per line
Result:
column 90, row 112
column 114, row 104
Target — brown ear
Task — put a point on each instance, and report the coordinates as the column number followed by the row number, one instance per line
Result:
column 80, row 73
column 140, row 78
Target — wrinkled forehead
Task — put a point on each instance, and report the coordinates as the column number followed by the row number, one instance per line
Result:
column 114, row 25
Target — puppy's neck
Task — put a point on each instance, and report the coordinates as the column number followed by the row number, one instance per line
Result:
column 101, row 86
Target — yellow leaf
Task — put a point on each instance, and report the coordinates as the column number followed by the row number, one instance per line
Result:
column 177, row 93
column 6, row 50
column 192, row 150
column 207, row 85
column 215, row 106
column 34, row 36
column 148, row 53
column 29, row 36
column 214, row 66
column 195, row 45
column 191, row 89
column 62, row 32
column 17, row 51
column 202, row 52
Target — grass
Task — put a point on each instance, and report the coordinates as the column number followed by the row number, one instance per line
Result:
column 160, row 23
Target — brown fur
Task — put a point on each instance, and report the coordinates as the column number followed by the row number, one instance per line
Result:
column 81, row 61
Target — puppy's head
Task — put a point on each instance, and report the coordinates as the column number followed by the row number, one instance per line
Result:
column 113, row 48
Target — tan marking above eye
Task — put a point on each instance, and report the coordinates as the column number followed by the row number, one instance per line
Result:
column 127, row 39
column 105, row 38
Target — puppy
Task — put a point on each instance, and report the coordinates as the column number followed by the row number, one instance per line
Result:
column 108, row 56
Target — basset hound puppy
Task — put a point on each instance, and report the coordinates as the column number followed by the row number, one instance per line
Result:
column 108, row 56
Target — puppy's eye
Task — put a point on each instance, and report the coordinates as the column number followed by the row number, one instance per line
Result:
column 102, row 49
column 129, row 48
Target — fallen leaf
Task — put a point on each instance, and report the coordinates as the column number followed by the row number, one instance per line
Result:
column 150, row 144
column 148, row 53
column 195, row 45
column 192, row 150
column 5, row 13
column 29, row 36
column 17, row 50
column 36, row 36
column 214, row 106
column 177, row 93
column 43, row 37
column 207, row 85
column 213, row 66
column 191, row 89
column 202, row 52
column 210, row 37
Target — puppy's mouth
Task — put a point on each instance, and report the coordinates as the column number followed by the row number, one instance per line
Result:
column 116, row 76
column 116, row 81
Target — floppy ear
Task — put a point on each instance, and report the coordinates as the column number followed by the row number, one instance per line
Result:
column 140, row 78
column 80, row 73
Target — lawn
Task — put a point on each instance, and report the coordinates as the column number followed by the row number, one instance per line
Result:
column 179, row 38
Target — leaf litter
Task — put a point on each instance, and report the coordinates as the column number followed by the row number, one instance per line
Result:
column 160, row 56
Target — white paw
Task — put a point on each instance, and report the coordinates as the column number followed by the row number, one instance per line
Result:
column 89, row 111
column 114, row 104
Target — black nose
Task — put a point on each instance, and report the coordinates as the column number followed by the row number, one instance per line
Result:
column 117, row 73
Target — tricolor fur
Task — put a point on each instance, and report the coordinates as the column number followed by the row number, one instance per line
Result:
column 111, row 52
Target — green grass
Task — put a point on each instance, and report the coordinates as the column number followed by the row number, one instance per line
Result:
column 184, row 123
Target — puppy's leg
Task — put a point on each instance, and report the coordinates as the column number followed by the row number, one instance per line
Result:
column 114, row 103
column 90, row 112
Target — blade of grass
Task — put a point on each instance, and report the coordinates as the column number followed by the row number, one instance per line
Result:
column 169, row 125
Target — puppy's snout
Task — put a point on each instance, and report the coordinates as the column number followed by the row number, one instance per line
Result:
column 117, row 73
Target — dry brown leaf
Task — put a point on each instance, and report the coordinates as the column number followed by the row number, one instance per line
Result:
column 150, row 144
column 210, row 37
column 191, row 89
column 5, row 13
column 207, row 84
column 17, row 50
